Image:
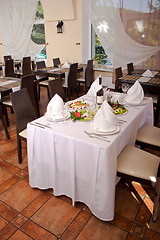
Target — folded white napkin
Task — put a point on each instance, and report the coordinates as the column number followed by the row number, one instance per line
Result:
column 147, row 73
column 56, row 108
column 135, row 94
column 95, row 87
column 105, row 120
column 66, row 65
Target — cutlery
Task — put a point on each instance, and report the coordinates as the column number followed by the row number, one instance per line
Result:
column 121, row 120
column 92, row 135
column 43, row 125
column 36, row 125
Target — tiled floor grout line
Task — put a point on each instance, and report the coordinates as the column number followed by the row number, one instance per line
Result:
column 73, row 221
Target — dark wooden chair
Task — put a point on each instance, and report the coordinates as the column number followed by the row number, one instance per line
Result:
column 56, row 62
column 118, row 72
column 135, row 164
column 87, row 78
column 72, row 81
column 9, row 68
column 130, row 68
column 26, row 66
column 29, row 82
column 3, row 121
column 24, row 113
column 55, row 86
column 7, row 57
column 42, row 81
column 148, row 137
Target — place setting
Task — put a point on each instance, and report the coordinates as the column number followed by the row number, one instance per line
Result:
column 57, row 111
column 135, row 95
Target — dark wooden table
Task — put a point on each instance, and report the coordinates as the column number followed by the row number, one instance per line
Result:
column 153, row 85
column 52, row 72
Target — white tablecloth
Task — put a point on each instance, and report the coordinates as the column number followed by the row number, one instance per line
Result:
column 66, row 159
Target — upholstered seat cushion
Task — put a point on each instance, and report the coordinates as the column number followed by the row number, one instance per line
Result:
column 23, row 133
column 138, row 163
column 149, row 134
column 7, row 102
column 44, row 83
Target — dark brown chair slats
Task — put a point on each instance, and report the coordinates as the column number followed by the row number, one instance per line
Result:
column 24, row 113
column 9, row 68
column 130, row 68
column 89, row 77
column 72, row 80
column 29, row 82
column 118, row 72
column 7, row 57
column 56, row 62
column 3, row 121
column 44, row 79
column 55, row 86
column 26, row 66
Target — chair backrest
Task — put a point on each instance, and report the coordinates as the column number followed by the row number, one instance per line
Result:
column 9, row 68
column 130, row 68
column 7, row 57
column 118, row 72
column 41, row 64
column 55, row 86
column 23, row 108
column 56, row 62
column 72, row 76
column 30, row 83
column 26, row 66
column 89, row 78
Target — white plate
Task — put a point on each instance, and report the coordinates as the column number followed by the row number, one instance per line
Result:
column 59, row 119
column 104, row 133
column 83, row 101
column 143, row 102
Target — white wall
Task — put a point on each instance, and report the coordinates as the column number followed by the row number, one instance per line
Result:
column 67, row 45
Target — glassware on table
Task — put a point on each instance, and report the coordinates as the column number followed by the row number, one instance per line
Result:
column 105, row 88
column 125, row 87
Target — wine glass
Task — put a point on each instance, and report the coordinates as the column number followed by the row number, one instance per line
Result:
column 105, row 88
column 125, row 87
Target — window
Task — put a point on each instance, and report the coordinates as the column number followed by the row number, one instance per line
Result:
column 98, row 52
column 38, row 31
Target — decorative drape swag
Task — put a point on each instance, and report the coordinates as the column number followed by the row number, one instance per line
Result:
column 16, row 21
column 120, row 48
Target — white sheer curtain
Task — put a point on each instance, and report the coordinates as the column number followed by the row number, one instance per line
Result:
column 16, row 22
column 120, row 48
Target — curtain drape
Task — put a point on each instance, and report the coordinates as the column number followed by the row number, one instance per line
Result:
column 120, row 48
column 16, row 21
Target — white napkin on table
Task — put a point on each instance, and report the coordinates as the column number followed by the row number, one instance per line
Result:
column 105, row 120
column 135, row 94
column 147, row 73
column 95, row 87
column 56, row 108
column 66, row 65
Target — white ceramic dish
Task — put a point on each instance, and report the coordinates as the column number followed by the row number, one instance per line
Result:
column 59, row 119
column 83, row 101
column 104, row 133
column 143, row 102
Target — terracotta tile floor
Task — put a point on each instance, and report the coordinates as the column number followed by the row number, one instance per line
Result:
column 27, row 213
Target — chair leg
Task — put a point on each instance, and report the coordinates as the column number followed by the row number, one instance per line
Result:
column 156, row 199
column 19, row 146
column 6, row 115
column 4, row 124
